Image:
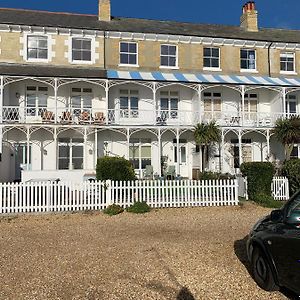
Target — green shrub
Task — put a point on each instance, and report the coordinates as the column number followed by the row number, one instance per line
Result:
column 267, row 201
column 139, row 208
column 113, row 210
column 114, row 168
column 259, row 177
column 291, row 169
column 214, row 176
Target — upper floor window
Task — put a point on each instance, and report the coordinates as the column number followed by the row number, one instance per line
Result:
column 37, row 47
column 168, row 56
column 129, row 103
column 212, row 102
column 287, row 62
column 291, row 104
column 81, row 49
column 169, row 101
column 250, row 103
column 128, row 53
column 248, row 59
column 211, row 58
column 81, row 98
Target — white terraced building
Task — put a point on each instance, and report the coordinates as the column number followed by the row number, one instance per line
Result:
column 78, row 87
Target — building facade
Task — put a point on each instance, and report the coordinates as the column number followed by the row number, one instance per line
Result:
column 77, row 87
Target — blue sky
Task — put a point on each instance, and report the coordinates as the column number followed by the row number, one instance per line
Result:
column 272, row 13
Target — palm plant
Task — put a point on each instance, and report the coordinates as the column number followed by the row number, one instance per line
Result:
column 287, row 131
column 205, row 135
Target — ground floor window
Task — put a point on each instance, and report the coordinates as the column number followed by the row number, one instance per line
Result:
column 22, row 155
column 182, row 151
column 140, row 153
column 295, row 152
column 70, row 154
column 246, row 152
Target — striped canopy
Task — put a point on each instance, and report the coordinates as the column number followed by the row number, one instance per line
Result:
column 203, row 78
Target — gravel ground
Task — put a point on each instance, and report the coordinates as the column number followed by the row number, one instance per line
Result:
column 180, row 254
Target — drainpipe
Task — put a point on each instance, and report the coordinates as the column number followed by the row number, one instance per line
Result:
column 269, row 58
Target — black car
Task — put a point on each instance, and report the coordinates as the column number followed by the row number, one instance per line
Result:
column 273, row 248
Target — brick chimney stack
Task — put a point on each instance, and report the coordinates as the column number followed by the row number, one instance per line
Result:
column 249, row 20
column 104, row 10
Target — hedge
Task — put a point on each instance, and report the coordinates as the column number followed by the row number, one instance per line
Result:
column 291, row 169
column 259, row 177
column 114, row 168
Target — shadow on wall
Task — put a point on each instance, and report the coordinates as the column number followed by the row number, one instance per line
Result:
column 185, row 294
column 241, row 253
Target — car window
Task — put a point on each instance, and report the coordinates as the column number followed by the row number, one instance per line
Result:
column 294, row 207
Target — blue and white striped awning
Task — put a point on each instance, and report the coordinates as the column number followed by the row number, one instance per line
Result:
column 203, row 78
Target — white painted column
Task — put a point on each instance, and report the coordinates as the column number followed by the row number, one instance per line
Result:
column 1, row 139
column 55, row 98
column 55, row 148
column 1, row 112
column 240, row 148
column 159, row 151
column 199, row 102
column 284, row 100
column 243, row 103
column 28, row 147
column 222, row 152
column 96, row 148
column 128, row 144
column 178, row 151
column 106, row 101
column 268, row 142
column 85, row 152
column 155, row 106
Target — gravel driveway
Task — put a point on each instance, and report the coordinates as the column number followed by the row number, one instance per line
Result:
column 180, row 254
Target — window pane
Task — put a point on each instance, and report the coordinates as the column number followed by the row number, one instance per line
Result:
column 31, row 99
column 42, row 43
column 134, row 103
column 244, row 64
column 124, row 47
column 76, row 101
column 172, row 50
column 123, row 102
column 76, row 44
column 63, row 163
column 174, row 104
column 172, row 61
column 86, row 45
column 86, row 56
column 215, row 63
column 132, row 48
column 64, row 151
column 206, row 62
column 215, row 52
column 164, row 104
column 77, row 163
column 132, row 59
column 76, row 55
column 164, row 50
column 32, row 42
column 32, row 53
column 164, row 61
column 124, row 59
column 207, row 52
column 77, row 151
column 244, row 54
column 87, row 102
column 43, row 54
column 146, row 151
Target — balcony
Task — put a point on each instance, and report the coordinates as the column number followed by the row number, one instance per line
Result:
column 126, row 117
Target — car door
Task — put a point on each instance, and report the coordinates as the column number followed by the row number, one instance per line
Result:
column 284, row 246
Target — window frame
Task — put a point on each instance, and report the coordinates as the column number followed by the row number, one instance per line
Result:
column 282, row 53
column 26, row 47
column 94, row 56
column 211, row 57
column 129, row 53
column 81, row 49
column 82, row 93
column 163, row 55
column 137, row 145
column 129, row 112
column 248, row 59
column 288, row 100
column 37, row 109
column 170, row 114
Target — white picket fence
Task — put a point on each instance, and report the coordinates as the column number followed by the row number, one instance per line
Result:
column 280, row 188
column 38, row 197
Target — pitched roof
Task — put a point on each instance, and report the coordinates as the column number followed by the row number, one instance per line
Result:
column 91, row 22
column 51, row 71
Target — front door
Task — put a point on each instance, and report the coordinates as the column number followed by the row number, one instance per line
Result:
column 21, row 161
column 183, row 160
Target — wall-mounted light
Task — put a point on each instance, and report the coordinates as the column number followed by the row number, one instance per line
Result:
column 18, row 95
column 90, row 151
column 45, row 152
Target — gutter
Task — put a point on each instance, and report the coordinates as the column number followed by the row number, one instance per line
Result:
column 269, row 58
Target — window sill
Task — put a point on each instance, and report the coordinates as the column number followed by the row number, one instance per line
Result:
column 248, row 71
column 169, row 68
column 128, row 65
column 82, row 62
column 212, row 69
column 38, row 60
column 288, row 72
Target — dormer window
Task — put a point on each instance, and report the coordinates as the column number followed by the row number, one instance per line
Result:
column 37, row 47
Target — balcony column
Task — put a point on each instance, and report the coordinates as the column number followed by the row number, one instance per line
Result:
column 1, row 139
column 155, row 106
column 178, row 151
column 128, row 144
column 222, row 152
column 284, row 100
column 159, row 151
column 96, row 148
column 55, row 98
column 106, row 101
column 28, row 148
column 199, row 102
column 55, row 148
column 85, row 152
column 268, row 142
column 243, row 103
column 240, row 148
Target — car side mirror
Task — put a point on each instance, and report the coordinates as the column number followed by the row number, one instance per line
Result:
column 277, row 216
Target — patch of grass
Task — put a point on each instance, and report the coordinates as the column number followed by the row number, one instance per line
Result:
column 113, row 210
column 139, row 208
column 268, row 201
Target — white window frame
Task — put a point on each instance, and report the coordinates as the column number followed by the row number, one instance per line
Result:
column 81, row 94
column 170, row 113
column 248, row 70
column 212, row 68
column 138, row 144
column 129, row 112
column 286, row 54
column 93, row 50
column 50, row 43
column 136, row 54
column 288, row 100
column 213, row 99
column 37, row 109
column 176, row 57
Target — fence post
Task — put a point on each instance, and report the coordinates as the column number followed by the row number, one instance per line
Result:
column 108, row 193
column 236, row 192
